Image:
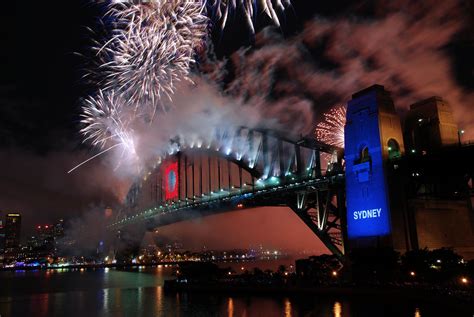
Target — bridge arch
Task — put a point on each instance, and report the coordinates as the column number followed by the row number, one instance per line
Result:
column 273, row 171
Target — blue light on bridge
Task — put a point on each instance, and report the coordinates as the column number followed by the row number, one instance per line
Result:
column 368, row 212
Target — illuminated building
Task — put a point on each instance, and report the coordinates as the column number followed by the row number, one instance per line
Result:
column 45, row 237
column 58, row 232
column 2, row 238
column 12, row 235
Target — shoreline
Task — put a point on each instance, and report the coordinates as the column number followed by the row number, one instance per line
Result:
column 84, row 266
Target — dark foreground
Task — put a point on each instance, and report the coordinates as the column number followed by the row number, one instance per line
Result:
column 139, row 292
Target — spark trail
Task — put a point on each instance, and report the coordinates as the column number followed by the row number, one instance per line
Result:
column 93, row 157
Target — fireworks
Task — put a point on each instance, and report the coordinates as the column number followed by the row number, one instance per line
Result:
column 104, row 119
column 152, row 49
column 107, row 125
column 331, row 129
column 220, row 9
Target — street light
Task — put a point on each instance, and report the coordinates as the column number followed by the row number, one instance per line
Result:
column 460, row 133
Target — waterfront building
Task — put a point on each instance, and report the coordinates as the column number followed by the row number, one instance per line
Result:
column 12, row 235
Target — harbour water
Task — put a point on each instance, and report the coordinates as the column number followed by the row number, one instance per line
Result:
column 139, row 292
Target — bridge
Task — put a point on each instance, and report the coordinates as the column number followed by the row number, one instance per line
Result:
column 246, row 168
column 384, row 194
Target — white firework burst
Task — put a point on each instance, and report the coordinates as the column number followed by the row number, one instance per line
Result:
column 221, row 9
column 107, row 125
column 105, row 121
column 152, row 48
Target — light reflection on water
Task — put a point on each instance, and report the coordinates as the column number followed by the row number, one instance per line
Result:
column 337, row 310
column 417, row 312
column 140, row 293
column 287, row 308
column 230, row 307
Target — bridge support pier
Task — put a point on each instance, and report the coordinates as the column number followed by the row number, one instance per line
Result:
column 323, row 211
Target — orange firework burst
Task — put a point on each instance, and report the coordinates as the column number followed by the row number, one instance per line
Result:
column 331, row 129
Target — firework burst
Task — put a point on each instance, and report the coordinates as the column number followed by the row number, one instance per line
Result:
column 104, row 120
column 107, row 126
column 221, row 9
column 331, row 129
column 152, row 49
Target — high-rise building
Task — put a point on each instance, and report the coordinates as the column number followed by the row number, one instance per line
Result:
column 45, row 237
column 2, row 237
column 12, row 234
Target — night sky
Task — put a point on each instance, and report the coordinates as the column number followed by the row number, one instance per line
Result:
column 41, row 89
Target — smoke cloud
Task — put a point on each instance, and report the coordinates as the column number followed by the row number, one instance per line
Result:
column 404, row 49
column 39, row 188
column 199, row 116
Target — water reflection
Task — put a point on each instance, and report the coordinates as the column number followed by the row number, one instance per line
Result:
column 337, row 309
column 105, row 299
column 230, row 307
column 140, row 295
column 125, row 293
column 287, row 308
column 159, row 299
column 417, row 312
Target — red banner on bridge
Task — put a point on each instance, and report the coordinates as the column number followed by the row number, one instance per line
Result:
column 171, row 181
